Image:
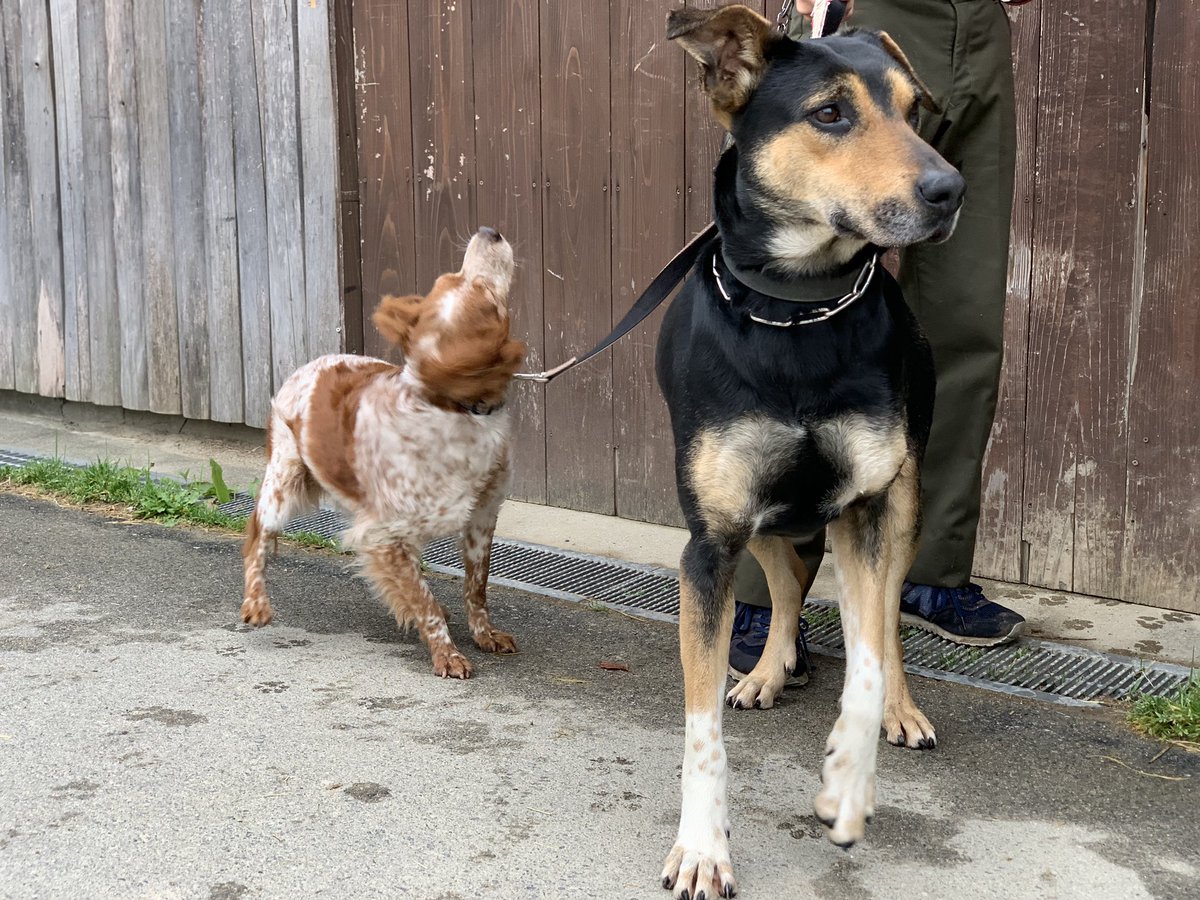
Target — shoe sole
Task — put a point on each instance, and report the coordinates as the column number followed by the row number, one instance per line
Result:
column 792, row 680
column 925, row 625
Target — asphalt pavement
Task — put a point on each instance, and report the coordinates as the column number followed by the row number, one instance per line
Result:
column 152, row 746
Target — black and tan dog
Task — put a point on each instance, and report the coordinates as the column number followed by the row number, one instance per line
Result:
column 800, row 390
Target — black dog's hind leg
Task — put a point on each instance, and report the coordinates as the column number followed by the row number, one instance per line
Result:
column 787, row 578
column 699, row 865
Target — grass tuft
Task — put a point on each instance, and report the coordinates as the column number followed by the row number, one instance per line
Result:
column 104, row 481
column 1173, row 718
column 311, row 539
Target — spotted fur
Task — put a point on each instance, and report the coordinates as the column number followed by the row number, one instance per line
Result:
column 410, row 452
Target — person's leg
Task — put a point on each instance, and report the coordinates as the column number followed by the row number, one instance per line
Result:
column 957, row 289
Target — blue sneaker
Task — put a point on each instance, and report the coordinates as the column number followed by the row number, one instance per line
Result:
column 962, row 615
column 750, row 627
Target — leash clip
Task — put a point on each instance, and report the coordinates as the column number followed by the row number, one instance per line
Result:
column 545, row 377
column 785, row 16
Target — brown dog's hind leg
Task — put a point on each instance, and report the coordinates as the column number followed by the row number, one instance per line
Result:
column 476, row 549
column 904, row 724
column 699, row 862
column 786, row 579
column 395, row 572
column 287, row 490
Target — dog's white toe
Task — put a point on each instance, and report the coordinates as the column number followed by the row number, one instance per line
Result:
column 700, row 873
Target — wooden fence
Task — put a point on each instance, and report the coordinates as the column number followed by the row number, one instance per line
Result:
column 575, row 127
column 178, row 231
column 169, row 176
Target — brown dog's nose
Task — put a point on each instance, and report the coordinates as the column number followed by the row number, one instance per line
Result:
column 491, row 234
column 942, row 190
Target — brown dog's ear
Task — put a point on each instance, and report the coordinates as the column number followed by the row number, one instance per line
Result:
column 395, row 318
column 728, row 43
column 893, row 49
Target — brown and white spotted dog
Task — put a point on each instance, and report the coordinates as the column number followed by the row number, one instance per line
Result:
column 801, row 393
column 411, row 453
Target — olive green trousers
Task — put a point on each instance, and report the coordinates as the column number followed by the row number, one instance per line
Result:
column 962, row 50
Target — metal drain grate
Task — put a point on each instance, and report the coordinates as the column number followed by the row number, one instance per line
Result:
column 1035, row 669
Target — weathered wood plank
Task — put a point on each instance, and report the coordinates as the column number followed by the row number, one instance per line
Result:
column 648, row 198
column 385, row 159
column 251, row 201
column 319, row 176
column 158, row 247
column 1162, row 536
column 42, row 163
column 7, row 295
column 18, row 336
column 226, row 386
column 349, row 211
column 576, row 237
column 1083, row 272
column 443, row 116
column 104, row 319
column 127, row 203
column 68, row 108
column 998, row 551
column 285, row 245
column 509, row 169
column 188, row 164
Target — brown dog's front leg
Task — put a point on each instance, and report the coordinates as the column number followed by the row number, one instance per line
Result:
column 395, row 572
column 476, row 550
column 699, row 864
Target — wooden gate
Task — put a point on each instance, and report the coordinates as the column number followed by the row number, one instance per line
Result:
column 576, row 129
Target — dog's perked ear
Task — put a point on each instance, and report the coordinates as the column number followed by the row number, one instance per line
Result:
column 395, row 318
column 729, row 44
column 893, row 49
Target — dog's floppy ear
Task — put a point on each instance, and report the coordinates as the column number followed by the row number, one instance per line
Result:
column 893, row 49
column 395, row 318
column 729, row 44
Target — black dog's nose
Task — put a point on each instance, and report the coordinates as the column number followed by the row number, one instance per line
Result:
column 491, row 233
column 942, row 190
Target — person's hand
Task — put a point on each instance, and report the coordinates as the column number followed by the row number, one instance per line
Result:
column 805, row 7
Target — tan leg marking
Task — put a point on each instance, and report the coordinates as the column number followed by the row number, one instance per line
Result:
column 395, row 572
column 847, row 796
column 699, row 861
column 904, row 724
column 787, row 578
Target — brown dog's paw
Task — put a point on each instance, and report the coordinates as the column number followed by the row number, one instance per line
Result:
column 494, row 641
column 256, row 611
column 449, row 663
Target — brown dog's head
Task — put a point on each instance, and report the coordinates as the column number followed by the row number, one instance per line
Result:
column 455, row 339
column 826, row 133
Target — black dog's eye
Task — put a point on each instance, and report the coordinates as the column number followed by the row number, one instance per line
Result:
column 828, row 115
column 914, row 114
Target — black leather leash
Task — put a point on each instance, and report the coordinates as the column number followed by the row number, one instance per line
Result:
column 827, row 17
column 657, row 291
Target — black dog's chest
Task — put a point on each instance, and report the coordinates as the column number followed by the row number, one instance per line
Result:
column 778, row 430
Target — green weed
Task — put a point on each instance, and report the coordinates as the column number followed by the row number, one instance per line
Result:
column 1174, row 718
column 104, row 481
